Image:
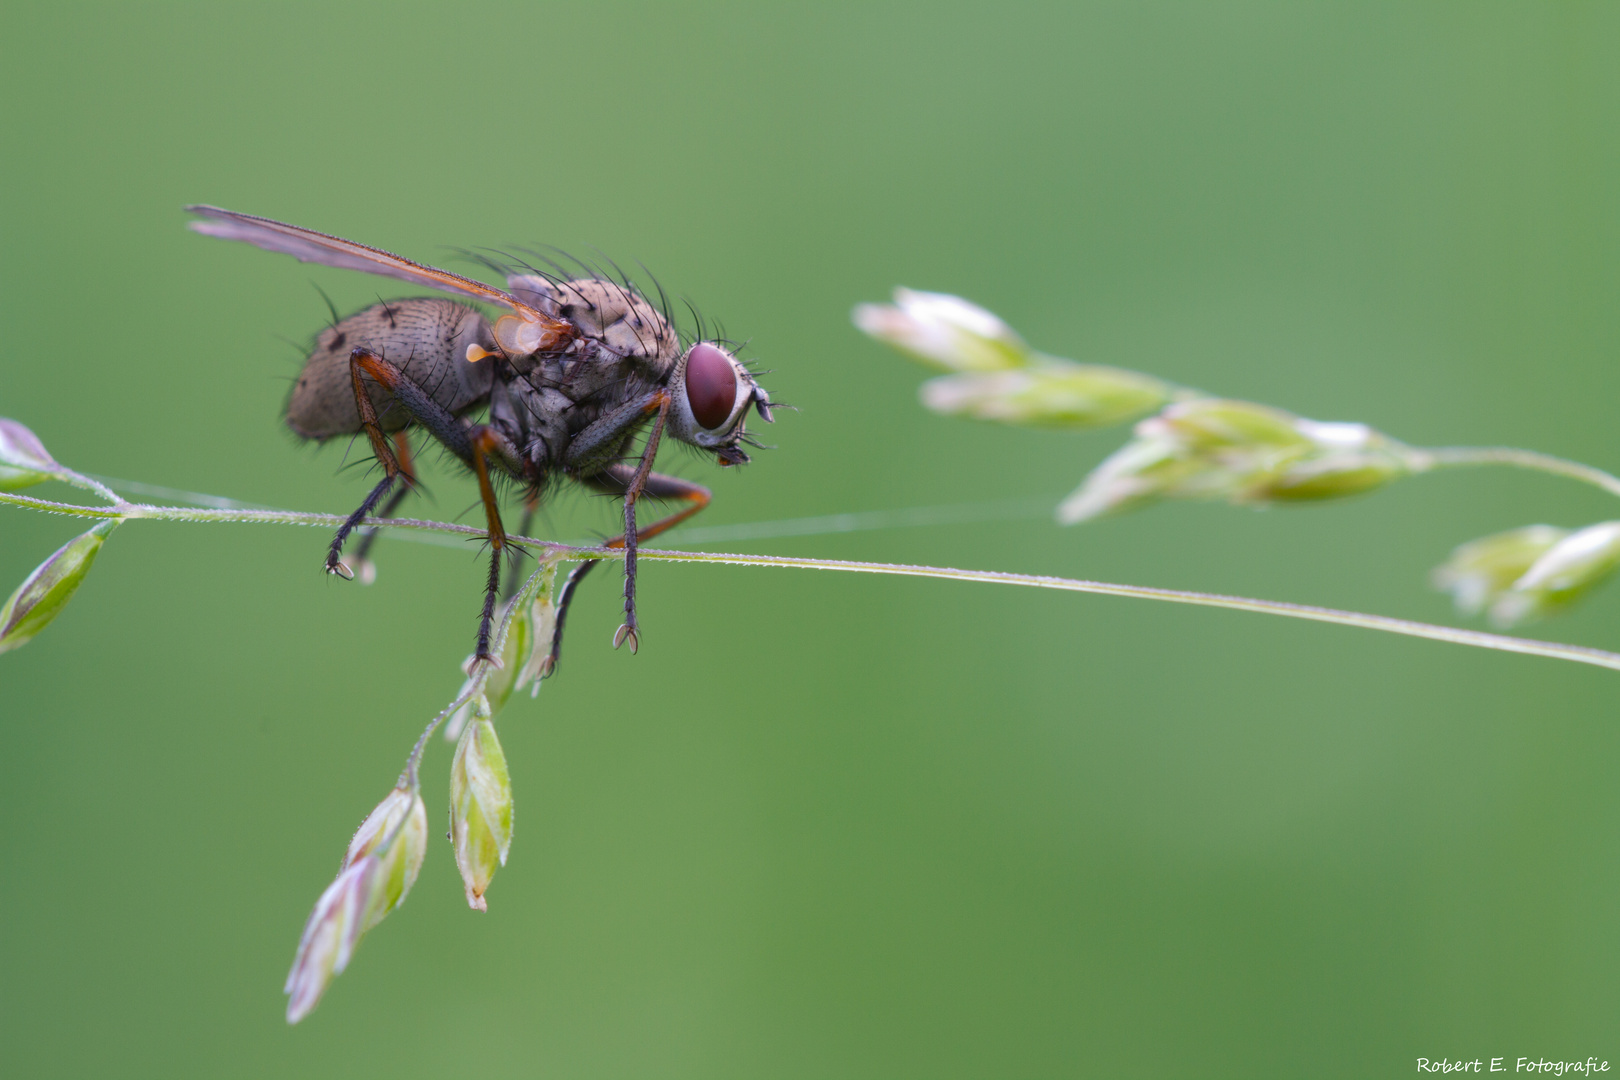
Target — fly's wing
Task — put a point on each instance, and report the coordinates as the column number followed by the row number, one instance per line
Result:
column 525, row 331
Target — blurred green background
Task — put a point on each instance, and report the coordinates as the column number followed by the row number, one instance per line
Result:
column 827, row 824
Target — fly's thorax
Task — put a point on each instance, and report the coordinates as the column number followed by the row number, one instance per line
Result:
column 712, row 391
column 615, row 317
column 427, row 338
column 624, row 348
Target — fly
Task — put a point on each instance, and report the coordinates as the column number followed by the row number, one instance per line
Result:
column 571, row 373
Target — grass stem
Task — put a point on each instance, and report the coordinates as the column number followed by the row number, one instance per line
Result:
column 1450, row 457
column 1474, row 638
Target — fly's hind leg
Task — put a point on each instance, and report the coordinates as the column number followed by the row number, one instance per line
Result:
column 616, row 480
column 365, row 570
column 478, row 446
column 363, row 361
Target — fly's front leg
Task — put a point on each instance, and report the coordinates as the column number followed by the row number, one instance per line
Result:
column 616, row 480
column 627, row 632
column 588, row 454
column 601, row 444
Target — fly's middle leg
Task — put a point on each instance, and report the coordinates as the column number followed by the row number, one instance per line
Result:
column 628, row 632
column 486, row 441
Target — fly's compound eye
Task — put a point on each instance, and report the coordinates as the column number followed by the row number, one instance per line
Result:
column 711, row 386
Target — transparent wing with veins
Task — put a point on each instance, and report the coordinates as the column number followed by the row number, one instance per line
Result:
column 525, row 331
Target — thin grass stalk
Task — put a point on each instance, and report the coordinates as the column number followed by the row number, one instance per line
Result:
column 1474, row 638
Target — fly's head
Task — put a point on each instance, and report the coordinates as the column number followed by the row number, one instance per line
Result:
column 712, row 392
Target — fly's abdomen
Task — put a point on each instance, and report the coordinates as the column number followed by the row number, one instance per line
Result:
column 426, row 338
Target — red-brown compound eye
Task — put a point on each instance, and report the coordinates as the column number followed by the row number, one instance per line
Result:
column 711, row 385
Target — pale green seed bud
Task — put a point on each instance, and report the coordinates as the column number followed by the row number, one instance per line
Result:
column 480, row 806
column 1240, row 452
column 514, row 654
column 42, row 595
column 378, row 871
column 329, row 938
column 1345, row 459
column 24, row 461
column 1049, row 393
column 943, row 330
column 517, row 654
column 1480, row 575
column 1203, row 449
column 1575, row 565
column 542, row 629
column 1211, row 424
column 1334, row 478
column 395, row 833
column 1134, row 475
